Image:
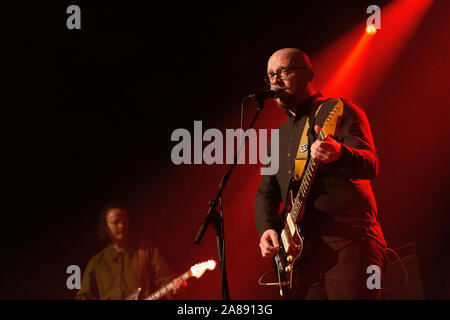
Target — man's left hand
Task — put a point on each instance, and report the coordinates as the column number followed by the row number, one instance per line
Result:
column 177, row 284
column 325, row 151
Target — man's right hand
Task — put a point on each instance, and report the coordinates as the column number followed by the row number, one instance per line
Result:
column 269, row 243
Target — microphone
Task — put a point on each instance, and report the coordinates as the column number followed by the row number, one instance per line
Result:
column 274, row 92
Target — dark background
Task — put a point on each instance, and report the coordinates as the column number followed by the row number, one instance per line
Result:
column 87, row 117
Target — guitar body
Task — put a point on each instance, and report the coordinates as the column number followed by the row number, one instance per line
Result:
column 292, row 243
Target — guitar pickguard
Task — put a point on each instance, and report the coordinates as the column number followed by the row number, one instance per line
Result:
column 291, row 245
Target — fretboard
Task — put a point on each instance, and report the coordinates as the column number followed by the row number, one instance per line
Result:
column 305, row 185
column 168, row 287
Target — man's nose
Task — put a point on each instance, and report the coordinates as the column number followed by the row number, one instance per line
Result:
column 276, row 80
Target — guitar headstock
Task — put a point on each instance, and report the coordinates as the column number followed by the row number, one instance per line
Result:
column 330, row 125
column 200, row 268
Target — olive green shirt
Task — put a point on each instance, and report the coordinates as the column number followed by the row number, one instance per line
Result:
column 113, row 275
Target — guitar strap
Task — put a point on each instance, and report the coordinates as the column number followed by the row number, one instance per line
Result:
column 302, row 152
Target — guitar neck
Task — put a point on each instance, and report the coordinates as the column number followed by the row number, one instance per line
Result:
column 168, row 287
column 305, row 185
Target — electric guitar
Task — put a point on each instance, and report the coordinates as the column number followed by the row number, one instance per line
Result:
column 195, row 271
column 291, row 239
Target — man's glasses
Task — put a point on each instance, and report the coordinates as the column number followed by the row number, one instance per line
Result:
column 281, row 74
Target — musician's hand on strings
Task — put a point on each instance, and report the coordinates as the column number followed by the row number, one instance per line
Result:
column 325, row 151
column 177, row 284
column 269, row 243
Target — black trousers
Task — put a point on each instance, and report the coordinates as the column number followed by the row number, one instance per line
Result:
column 335, row 268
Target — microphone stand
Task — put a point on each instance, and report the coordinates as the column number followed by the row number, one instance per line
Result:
column 216, row 219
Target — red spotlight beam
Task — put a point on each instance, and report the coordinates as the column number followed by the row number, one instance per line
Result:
column 370, row 57
column 345, row 80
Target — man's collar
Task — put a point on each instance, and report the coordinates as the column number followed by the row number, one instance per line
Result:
column 113, row 254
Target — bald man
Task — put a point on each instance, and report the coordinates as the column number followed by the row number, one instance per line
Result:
column 340, row 223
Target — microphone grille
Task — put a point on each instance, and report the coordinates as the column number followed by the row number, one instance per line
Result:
column 276, row 90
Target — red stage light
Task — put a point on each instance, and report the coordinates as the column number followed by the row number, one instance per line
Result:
column 362, row 57
column 371, row 30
